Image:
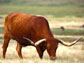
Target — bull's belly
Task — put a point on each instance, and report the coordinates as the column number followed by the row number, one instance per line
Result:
column 19, row 38
column 22, row 41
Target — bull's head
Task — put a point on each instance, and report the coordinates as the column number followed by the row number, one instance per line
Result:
column 52, row 44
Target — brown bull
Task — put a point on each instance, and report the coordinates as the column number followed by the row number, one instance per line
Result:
column 31, row 30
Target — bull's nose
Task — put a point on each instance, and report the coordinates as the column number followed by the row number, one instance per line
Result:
column 52, row 58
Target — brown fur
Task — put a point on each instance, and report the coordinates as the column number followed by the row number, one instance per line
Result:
column 19, row 25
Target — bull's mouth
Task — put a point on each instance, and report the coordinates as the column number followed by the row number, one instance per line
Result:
column 52, row 58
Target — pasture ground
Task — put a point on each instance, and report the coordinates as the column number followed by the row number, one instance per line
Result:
column 73, row 30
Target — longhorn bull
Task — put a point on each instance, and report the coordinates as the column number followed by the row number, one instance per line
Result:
column 31, row 30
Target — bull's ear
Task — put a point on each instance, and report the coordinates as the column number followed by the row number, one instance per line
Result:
column 39, row 42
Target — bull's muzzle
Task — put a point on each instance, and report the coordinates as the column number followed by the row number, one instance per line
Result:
column 52, row 58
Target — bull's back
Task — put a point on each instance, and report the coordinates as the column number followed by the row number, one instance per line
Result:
column 16, row 22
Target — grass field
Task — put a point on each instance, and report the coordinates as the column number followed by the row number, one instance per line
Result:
column 69, row 10
column 72, row 20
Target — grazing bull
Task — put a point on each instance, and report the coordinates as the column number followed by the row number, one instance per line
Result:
column 31, row 30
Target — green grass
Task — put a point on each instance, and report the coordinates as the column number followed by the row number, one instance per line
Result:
column 59, row 11
column 1, row 38
column 67, row 32
column 59, row 31
column 1, row 29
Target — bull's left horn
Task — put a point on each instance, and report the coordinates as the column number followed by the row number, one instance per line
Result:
column 35, row 44
column 29, row 40
column 69, row 44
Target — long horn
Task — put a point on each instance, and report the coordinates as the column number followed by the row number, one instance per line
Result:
column 29, row 40
column 40, row 41
column 69, row 44
column 35, row 44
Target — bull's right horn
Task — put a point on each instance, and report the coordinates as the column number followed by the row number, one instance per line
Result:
column 69, row 44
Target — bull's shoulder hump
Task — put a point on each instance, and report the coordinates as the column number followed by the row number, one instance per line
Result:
column 40, row 18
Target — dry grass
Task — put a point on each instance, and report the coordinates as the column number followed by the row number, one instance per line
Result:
column 67, row 22
column 74, row 54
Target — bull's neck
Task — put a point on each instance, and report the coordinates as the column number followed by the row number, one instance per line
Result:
column 49, row 35
column 46, row 36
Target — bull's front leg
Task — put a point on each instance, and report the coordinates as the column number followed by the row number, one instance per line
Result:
column 40, row 51
column 18, row 49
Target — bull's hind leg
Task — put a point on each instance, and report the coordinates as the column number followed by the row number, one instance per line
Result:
column 5, row 45
column 18, row 49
